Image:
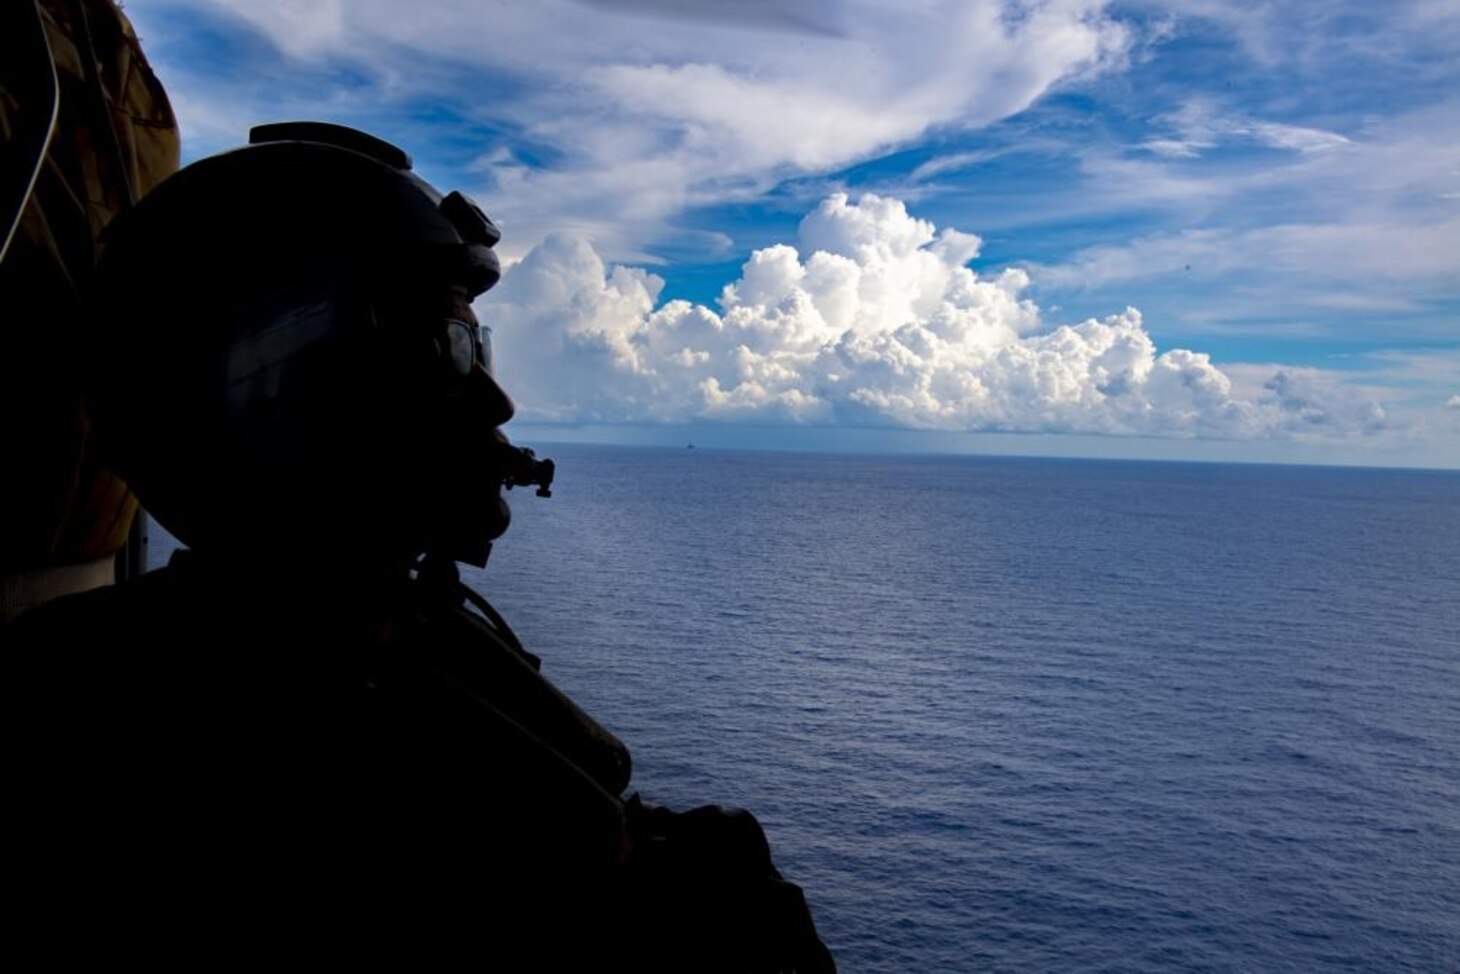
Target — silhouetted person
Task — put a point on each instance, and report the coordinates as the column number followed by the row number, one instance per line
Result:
column 304, row 733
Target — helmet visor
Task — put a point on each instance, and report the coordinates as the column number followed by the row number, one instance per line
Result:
column 466, row 345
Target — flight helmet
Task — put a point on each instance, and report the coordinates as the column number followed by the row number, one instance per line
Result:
column 285, row 352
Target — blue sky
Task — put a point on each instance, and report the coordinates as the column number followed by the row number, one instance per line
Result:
column 990, row 186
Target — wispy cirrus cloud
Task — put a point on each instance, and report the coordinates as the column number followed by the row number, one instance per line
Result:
column 644, row 117
column 1200, row 126
column 1358, row 225
column 955, row 162
column 1333, row 252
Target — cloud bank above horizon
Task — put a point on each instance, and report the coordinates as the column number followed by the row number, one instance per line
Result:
column 872, row 319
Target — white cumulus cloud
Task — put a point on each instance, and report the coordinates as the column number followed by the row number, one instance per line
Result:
column 871, row 319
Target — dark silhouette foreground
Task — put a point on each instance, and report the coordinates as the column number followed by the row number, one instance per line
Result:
column 304, row 737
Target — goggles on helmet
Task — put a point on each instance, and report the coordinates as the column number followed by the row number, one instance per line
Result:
column 466, row 345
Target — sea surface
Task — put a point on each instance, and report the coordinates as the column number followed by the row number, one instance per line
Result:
column 1032, row 715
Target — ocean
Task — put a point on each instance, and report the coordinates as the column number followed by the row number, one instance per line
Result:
column 1032, row 715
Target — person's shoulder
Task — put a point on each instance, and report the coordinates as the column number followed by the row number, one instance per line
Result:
column 108, row 616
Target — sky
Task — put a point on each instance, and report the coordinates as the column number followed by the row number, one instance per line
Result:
column 1193, row 229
